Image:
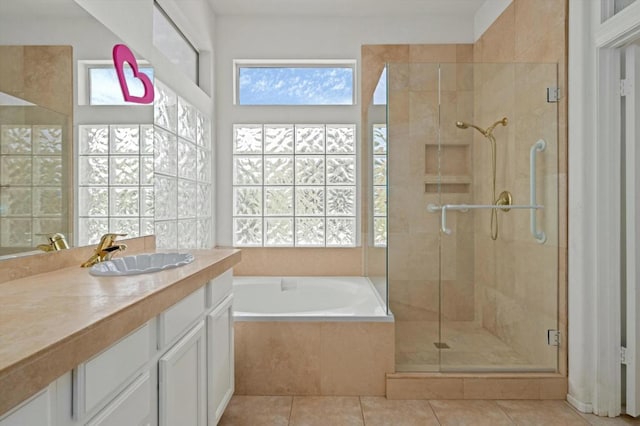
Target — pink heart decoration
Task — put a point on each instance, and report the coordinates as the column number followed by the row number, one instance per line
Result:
column 122, row 54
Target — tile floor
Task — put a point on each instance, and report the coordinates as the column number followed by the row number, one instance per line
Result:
column 378, row 411
column 471, row 347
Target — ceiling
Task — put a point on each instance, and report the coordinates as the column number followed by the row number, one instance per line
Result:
column 346, row 8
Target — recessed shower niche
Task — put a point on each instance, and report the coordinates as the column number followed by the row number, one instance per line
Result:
column 447, row 168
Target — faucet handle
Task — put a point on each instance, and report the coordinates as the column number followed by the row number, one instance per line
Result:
column 108, row 239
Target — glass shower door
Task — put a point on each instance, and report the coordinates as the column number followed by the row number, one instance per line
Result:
column 498, row 275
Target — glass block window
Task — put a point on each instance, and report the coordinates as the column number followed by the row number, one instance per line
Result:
column 30, row 183
column 294, row 185
column 115, row 180
column 379, row 195
column 183, row 173
column 294, row 83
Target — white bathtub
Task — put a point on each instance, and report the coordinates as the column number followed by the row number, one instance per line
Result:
column 307, row 299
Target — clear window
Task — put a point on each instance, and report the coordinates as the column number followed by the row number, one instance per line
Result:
column 312, row 83
column 380, row 94
column 104, row 87
column 173, row 44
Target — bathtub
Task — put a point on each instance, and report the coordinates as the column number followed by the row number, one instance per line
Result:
column 307, row 299
column 311, row 336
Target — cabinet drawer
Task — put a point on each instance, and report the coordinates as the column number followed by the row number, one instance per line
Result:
column 131, row 407
column 175, row 320
column 110, row 370
column 219, row 288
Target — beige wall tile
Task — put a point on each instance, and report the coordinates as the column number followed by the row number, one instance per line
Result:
column 277, row 358
column 296, row 261
column 497, row 44
column 434, row 388
column 433, row 52
column 554, row 388
column 354, row 357
column 488, row 388
column 464, row 53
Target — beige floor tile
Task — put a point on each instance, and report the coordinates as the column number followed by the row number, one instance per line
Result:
column 548, row 413
column 257, row 411
column 326, row 410
column 379, row 411
column 472, row 413
column 594, row 420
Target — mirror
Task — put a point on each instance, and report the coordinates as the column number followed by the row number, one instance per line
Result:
column 36, row 106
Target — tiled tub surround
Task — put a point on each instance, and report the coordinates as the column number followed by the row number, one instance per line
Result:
column 54, row 319
column 322, row 345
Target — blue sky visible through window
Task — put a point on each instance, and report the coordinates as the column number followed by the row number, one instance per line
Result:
column 105, row 88
column 380, row 94
column 296, row 86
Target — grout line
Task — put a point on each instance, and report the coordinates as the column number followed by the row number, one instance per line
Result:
column 434, row 412
column 506, row 413
column 291, row 409
column 362, row 410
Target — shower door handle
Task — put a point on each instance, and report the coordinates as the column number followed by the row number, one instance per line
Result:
column 540, row 145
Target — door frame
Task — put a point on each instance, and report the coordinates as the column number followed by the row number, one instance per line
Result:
column 594, row 208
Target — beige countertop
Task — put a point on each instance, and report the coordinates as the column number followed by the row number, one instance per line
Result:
column 51, row 322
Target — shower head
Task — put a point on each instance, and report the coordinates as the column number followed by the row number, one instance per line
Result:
column 464, row 125
column 486, row 133
column 503, row 121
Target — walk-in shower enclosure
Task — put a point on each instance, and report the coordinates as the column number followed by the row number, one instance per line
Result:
column 462, row 300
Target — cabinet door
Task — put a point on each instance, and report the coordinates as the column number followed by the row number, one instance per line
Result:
column 182, row 381
column 131, row 407
column 35, row 411
column 220, row 358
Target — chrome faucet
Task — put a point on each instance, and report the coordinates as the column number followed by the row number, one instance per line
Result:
column 105, row 250
column 56, row 242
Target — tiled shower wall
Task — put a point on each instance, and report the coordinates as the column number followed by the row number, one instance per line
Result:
column 518, row 287
column 523, row 291
column 146, row 179
column 413, row 234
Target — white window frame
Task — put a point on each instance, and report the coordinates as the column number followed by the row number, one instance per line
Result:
column 295, row 63
column 84, row 80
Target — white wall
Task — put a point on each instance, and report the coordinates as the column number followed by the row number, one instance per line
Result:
column 249, row 37
column 65, row 22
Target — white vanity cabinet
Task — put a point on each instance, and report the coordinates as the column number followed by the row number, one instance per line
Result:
column 182, row 381
column 37, row 410
column 176, row 369
column 220, row 358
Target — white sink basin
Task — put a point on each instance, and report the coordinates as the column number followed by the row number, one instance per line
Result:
column 141, row 264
